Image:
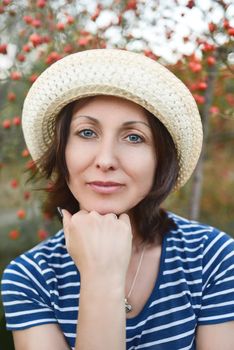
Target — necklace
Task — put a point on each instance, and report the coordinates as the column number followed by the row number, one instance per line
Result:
column 128, row 306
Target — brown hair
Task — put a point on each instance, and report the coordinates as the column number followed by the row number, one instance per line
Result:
column 148, row 217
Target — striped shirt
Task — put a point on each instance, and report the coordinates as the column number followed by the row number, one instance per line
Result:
column 195, row 286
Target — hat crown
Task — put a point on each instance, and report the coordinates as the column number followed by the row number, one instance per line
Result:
column 120, row 73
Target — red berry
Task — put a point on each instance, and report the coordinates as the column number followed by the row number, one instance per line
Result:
column 84, row 32
column 27, row 195
column 199, row 99
column 68, row 48
column 214, row 110
column 202, row 85
column 16, row 75
column 231, row 31
column 211, row 60
column 230, row 99
column 35, row 39
column 83, row 41
column 212, row 27
column 3, row 49
column 6, row 124
column 25, row 153
column 208, row 47
column 14, row 183
column 193, row 86
column 195, row 66
column 21, row 57
column 36, row 23
column 96, row 14
column 70, row 19
column 11, row 96
column 226, row 24
column 14, row 234
column 60, row 26
column 42, row 234
column 26, row 48
column 47, row 216
column 190, row 4
column 30, row 165
column 33, row 77
column 53, row 57
column 46, row 39
column 150, row 54
column 131, row 5
column 120, row 19
column 16, row 120
column 27, row 19
column 6, row 2
column 102, row 44
column 41, row 3
column 21, row 213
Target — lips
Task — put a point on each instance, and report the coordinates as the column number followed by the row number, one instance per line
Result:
column 105, row 183
column 105, row 187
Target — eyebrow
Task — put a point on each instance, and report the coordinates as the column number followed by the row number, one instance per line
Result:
column 130, row 122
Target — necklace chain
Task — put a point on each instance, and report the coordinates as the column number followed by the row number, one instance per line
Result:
column 128, row 307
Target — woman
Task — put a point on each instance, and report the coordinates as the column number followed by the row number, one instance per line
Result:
column 116, row 132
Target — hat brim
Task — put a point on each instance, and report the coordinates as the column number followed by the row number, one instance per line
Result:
column 118, row 73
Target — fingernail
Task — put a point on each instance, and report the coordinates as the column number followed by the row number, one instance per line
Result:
column 60, row 212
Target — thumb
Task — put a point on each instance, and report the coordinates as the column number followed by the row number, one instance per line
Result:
column 66, row 216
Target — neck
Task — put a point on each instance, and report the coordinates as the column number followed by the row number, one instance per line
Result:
column 137, row 242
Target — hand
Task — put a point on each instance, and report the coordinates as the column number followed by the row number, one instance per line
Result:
column 100, row 245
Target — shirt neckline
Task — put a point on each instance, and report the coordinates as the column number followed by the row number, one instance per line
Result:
column 133, row 320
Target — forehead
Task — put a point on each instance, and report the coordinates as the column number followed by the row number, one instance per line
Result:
column 101, row 106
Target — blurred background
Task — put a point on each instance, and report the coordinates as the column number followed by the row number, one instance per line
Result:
column 194, row 39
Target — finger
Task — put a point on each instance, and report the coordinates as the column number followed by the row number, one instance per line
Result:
column 83, row 211
column 112, row 215
column 66, row 221
column 124, row 217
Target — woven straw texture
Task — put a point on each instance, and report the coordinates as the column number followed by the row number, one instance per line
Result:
column 119, row 73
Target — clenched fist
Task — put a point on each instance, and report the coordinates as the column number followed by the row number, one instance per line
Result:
column 100, row 245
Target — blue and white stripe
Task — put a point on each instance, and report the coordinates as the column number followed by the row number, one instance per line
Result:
column 194, row 287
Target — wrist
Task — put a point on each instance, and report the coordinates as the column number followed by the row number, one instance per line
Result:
column 103, row 286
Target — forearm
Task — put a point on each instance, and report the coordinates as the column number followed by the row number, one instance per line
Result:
column 102, row 318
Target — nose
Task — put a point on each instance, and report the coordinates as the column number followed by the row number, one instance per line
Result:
column 106, row 156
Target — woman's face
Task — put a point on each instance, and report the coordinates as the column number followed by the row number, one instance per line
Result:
column 110, row 155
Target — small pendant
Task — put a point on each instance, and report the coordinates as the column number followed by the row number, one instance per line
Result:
column 128, row 307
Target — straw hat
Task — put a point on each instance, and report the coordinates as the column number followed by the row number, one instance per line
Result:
column 119, row 73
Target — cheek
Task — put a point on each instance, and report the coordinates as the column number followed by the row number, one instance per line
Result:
column 143, row 164
column 69, row 158
column 74, row 158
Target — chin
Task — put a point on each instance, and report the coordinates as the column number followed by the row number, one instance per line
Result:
column 113, row 205
column 103, row 210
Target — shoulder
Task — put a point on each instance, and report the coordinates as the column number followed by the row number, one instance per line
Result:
column 29, row 284
column 192, row 229
column 215, row 247
column 34, row 261
column 51, row 250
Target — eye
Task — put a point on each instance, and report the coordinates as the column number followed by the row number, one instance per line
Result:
column 86, row 133
column 134, row 138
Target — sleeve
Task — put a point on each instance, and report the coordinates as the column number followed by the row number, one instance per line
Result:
column 218, row 280
column 25, row 296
